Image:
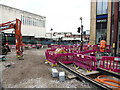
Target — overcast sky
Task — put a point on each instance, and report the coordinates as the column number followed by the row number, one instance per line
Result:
column 61, row 15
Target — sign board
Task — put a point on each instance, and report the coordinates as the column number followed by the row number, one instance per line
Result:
column 113, row 45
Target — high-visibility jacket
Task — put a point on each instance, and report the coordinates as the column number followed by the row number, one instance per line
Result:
column 102, row 44
column 89, row 43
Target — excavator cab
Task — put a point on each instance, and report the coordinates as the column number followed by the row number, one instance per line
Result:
column 5, row 45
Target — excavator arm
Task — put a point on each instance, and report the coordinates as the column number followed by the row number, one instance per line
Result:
column 16, row 24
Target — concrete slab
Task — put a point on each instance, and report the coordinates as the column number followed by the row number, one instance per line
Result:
column 92, row 73
column 54, row 72
column 71, row 76
column 62, row 76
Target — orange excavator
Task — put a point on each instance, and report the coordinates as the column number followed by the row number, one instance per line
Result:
column 16, row 24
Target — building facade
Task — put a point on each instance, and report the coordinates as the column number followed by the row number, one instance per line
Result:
column 68, row 36
column 33, row 25
column 105, row 22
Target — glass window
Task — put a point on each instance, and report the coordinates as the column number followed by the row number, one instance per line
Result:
column 119, row 5
column 43, row 23
column 105, row 7
column 99, row 7
column 113, row 7
column 37, row 22
column 29, row 20
column 23, row 20
column 102, row 7
column 33, row 21
column 40, row 23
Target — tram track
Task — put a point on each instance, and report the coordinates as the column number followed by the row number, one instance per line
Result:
column 92, row 82
column 109, row 72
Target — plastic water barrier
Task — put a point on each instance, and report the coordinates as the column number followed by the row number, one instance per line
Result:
column 110, row 63
column 85, row 61
column 65, row 58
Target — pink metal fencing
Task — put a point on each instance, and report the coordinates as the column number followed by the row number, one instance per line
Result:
column 85, row 61
column 65, row 58
column 88, row 52
column 77, row 48
column 108, row 48
column 96, row 47
column 110, row 63
column 50, row 56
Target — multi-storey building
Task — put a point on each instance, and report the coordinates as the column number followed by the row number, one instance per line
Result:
column 33, row 25
column 105, row 22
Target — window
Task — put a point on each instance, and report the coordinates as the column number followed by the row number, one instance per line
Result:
column 29, row 20
column 33, row 21
column 23, row 20
column 43, row 23
column 113, row 7
column 119, row 5
column 102, row 7
column 99, row 7
column 37, row 22
column 119, row 9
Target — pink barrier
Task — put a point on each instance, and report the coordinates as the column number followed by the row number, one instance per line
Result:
column 88, row 51
column 86, row 62
column 65, row 58
column 77, row 48
column 108, row 48
column 110, row 63
column 50, row 56
column 96, row 47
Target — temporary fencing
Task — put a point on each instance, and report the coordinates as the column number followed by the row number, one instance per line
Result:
column 85, row 61
column 110, row 63
column 65, row 58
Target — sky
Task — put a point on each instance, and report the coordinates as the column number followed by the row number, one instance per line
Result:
column 61, row 15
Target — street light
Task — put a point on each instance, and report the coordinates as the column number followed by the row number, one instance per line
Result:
column 81, row 28
column 51, row 32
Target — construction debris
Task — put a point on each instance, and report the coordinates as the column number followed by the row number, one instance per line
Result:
column 62, row 76
column 54, row 72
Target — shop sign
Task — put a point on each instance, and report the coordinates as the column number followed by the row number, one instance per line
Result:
column 103, row 20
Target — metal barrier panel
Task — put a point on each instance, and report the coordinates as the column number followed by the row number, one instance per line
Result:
column 65, row 58
column 110, row 63
column 50, row 56
column 86, row 62
column 88, row 51
column 108, row 48
column 96, row 47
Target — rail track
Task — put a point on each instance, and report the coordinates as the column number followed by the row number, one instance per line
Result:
column 109, row 72
column 91, row 81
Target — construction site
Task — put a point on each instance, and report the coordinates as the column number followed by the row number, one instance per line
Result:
column 32, row 58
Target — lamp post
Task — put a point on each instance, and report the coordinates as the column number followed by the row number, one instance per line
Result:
column 51, row 32
column 81, row 33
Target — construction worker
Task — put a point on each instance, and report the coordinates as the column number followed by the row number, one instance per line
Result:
column 102, row 45
column 89, row 43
